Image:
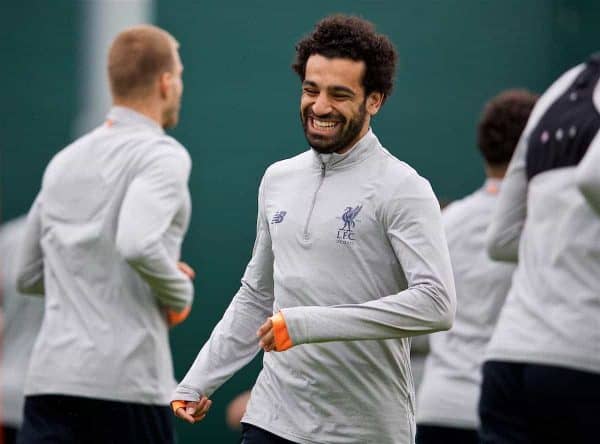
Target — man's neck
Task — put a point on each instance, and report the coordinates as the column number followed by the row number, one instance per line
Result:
column 495, row 172
column 147, row 109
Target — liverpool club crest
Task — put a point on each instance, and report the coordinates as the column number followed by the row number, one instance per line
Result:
column 346, row 233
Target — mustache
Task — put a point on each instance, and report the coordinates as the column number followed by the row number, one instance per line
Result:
column 330, row 116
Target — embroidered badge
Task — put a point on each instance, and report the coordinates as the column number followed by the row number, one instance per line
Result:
column 278, row 217
column 345, row 234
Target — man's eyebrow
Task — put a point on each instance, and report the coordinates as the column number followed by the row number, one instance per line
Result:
column 332, row 89
column 345, row 89
column 309, row 83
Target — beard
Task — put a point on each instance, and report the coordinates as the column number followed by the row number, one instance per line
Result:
column 170, row 117
column 170, row 114
column 347, row 134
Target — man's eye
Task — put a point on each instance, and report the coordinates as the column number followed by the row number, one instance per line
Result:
column 311, row 92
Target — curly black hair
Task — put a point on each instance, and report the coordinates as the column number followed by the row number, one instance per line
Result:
column 341, row 36
column 501, row 123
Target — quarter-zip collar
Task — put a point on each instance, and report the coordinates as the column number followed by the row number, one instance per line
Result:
column 121, row 115
column 360, row 151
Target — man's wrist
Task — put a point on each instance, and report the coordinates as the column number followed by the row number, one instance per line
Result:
column 177, row 317
column 283, row 341
column 177, row 404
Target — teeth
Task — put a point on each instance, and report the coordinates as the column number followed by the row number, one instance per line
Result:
column 323, row 124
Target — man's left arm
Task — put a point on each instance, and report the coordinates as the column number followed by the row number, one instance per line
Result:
column 30, row 260
column 413, row 224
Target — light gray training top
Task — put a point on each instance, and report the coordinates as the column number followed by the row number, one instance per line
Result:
column 449, row 393
column 552, row 313
column 102, row 241
column 21, row 320
column 587, row 175
column 353, row 252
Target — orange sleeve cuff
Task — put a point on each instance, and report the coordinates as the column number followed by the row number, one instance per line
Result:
column 175, row 318
column 280, row 332
column 177, row 404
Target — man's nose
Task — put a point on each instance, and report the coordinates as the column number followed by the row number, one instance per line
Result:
column 322, row 105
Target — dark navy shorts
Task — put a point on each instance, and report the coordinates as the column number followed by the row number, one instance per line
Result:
column 76, row 420
column 531, row 404
column 432, row 434
column 255, row 435
column 9, row 434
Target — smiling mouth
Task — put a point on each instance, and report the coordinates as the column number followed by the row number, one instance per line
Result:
column 323, row 126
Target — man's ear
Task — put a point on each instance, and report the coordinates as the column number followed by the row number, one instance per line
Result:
column 374, row 102
column 164, row 83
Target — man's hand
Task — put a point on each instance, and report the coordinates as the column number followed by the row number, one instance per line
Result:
column 266, row 336
column 236, row 410
column 187, row 270
column 194, row 411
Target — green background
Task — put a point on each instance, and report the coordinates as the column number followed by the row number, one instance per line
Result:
column 240, row 111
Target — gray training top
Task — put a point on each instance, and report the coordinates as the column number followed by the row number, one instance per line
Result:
column 351, row 249
column 449, row 393
column 21, row 320
column 102, row 242
column 552, row 313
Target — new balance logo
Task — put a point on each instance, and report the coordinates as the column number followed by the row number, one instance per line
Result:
column 278, row 217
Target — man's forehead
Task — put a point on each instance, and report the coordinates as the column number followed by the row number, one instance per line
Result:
column 319, row 67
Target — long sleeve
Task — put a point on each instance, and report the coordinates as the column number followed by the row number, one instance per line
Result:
column 412, row 220
column 504, row 232
column 149, row 207
column 233, row 342
column 588, row 175
column 30, row 261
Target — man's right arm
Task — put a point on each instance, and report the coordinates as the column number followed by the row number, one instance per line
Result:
column 233, row 342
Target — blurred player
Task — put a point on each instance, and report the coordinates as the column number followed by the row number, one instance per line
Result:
column 351, row 256
column 541, row 378
column 236, row 409
column 102, row 243
column 22, row 317
column 448, row 397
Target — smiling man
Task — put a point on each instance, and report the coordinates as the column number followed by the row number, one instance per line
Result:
column 333, row 106
column 351, row 257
